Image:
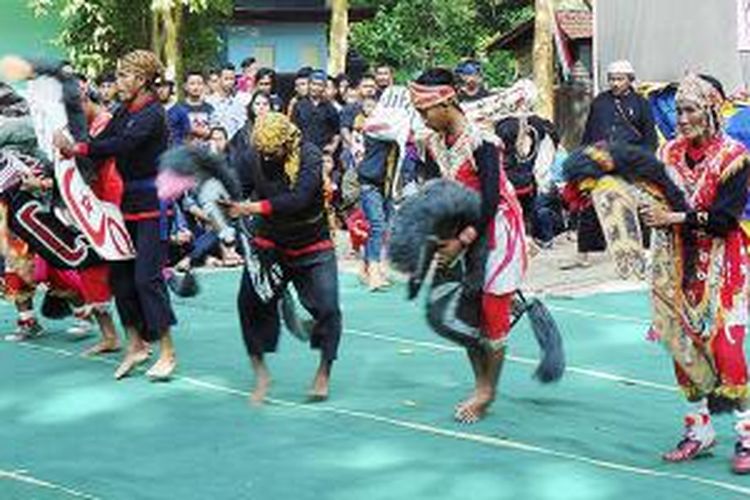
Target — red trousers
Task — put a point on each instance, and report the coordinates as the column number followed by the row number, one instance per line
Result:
column 496, row 316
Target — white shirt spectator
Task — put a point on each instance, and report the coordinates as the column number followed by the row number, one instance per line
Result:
column 229, row 112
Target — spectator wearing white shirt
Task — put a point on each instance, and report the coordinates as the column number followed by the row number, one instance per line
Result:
column 229, row 109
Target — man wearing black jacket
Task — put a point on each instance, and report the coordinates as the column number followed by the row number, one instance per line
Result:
column 282, row 178
column 618, row 115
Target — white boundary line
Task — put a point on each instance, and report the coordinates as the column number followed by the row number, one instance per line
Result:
column 620, row 379
column 593, row 314
column 22, row 477
column 518, row 359
column 436, row 431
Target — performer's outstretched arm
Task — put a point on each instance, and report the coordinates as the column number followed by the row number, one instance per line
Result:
column 300, row 195
column 723, row 215
column 138, row 130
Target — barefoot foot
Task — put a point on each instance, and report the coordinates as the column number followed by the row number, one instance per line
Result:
column 474, row 409
column 162, row 370
column 464, row 402
column 104, row 346
column 320, row 386
column 131, row 360
column 262, row 384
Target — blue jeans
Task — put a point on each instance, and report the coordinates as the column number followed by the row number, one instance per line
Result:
column 547, row 218
column 539, row 214
column 377, row 211
column 205, row 244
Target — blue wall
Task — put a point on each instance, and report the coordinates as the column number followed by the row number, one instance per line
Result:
column 289, row 42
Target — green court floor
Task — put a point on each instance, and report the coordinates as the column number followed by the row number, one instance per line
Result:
column 69, row 430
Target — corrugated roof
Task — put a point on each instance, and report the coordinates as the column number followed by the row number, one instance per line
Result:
column 574, row 16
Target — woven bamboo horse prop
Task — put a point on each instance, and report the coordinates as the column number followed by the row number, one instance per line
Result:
column 440, row 210
column 619, row 179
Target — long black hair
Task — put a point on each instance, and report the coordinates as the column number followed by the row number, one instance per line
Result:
column 249, row 108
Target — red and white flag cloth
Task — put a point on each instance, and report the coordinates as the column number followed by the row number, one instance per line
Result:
column 563, row 50
column 101, row 222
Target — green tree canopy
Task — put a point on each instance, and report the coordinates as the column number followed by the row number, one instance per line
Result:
column 96, row 32
column 414, row 34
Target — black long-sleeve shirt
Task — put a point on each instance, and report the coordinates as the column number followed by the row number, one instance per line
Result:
column 136, row 136
column 727, row 208
column 295, row 213
column 319, row 123
column 627, row 118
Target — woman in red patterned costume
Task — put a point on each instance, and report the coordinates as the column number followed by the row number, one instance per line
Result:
column 708, row 308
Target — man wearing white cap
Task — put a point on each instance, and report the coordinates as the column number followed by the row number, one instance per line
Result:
column 616, row 115
column 620, row 114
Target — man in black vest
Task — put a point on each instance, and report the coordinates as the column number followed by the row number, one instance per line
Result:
column 282, row 178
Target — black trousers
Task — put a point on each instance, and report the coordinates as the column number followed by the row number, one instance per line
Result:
column 141, row 295
column 315, row 277
column 590, row 233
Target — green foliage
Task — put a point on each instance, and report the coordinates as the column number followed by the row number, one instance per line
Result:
column 499, row 69
column 202, row 42
column 415, row 34
column 418, row 33
column 96, row 32
column 502, row 16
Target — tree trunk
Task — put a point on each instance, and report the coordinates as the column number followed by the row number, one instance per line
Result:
column 544, row 58
column 156, row 32
column 172, row 22
column 339, row 37
column 167, row 24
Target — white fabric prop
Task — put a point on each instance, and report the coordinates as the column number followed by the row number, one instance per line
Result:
column 395, row 119
column 519, row 98
column 101, row 222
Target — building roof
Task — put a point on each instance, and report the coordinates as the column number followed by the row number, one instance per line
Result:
column 289, row 14
column 576, row 24
column 573, row 16
column 522, row 33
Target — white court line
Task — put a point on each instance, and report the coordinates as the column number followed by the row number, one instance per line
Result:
column 593, row 314
column 23, row 477
column 439, row 431
column 571, row 310
column 518, row 359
